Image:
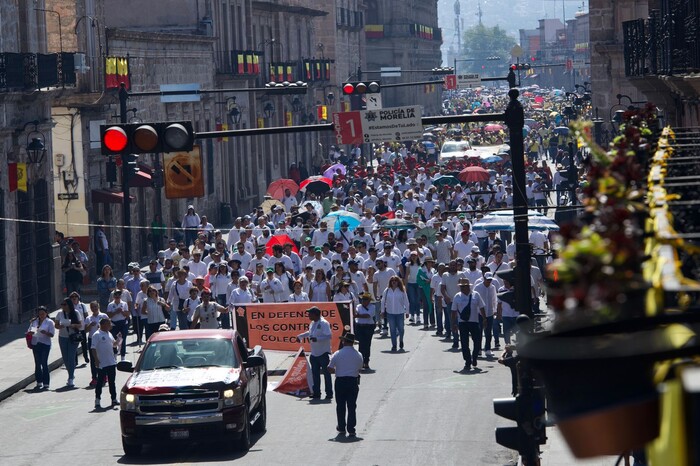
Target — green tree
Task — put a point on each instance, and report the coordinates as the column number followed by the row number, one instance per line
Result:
column 480, row 45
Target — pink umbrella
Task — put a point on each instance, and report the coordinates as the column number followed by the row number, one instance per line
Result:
column 333, row 170
column 277, row 188
column 493, row 128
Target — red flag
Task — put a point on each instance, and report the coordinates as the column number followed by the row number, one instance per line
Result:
column 12, row 175
column 389, row 215
column 297, row 380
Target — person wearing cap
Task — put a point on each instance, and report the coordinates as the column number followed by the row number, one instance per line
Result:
column 190, row 223
column 102, row 349
column 197, row 266
column 487, row 291
column 466, row 308
column 319, row 335
column 321, row 262
column 270, row 287
column 476, row 255
column 207, row 313
column 344, row 295
column 346, row 364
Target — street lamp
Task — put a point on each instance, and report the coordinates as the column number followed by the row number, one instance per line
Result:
column 234, row 113
column 269, row 109
column 36, row 147
column 330, row 98
column 296, row 104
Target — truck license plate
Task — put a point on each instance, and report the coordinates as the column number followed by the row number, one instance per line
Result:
column 179, row 434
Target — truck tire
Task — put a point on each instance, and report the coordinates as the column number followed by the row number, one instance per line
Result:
column 131, row 449
column 243, row 442
column 260, row 425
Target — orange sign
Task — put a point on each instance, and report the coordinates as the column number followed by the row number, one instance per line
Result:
column 297, row 380
column 183, row 174
column 275, row 326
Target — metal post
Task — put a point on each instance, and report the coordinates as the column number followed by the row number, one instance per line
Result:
column 515, row 120
column 572, row 175
column 126, row 208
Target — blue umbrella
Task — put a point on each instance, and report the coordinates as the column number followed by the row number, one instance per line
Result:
column 492, row 159
column 334, row 219
column 563, row 130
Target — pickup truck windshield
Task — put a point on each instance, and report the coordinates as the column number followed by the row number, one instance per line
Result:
column 203, row 352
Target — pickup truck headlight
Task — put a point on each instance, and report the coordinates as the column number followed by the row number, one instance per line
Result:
column 128, row 401
column 233, row 396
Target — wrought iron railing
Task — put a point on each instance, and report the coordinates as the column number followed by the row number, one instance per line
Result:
column 667, row 43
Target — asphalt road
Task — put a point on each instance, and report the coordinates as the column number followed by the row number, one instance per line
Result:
column 416, row 408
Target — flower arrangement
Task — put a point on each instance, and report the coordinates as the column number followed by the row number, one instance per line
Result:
column 598, row 274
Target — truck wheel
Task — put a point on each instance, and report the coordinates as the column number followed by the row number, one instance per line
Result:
column 243, row 443
column 131, row 449
column 260, row 425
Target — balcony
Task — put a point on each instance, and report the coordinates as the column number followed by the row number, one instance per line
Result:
column 667, row 43
column 239, row 63
column 31, row 71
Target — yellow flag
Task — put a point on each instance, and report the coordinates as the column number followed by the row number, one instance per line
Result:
column 224, row 127
column 22, row 177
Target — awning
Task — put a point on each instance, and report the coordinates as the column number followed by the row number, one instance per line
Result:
column 103, row 196
column 141, row 180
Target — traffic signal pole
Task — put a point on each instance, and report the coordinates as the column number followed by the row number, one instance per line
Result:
column 126, row 208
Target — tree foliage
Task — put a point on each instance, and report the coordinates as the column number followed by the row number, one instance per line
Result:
column 481, row 42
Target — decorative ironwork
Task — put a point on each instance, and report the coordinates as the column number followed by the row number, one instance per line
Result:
column 29, row 71
column 668, row 43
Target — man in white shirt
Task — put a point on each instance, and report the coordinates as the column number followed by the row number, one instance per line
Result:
column 103, row 348
column 234, row 235
column 288, row 200
column 346, row 364
column 466, row 307
column 320, row 262
column 464, row 246
column 242, row 255
column 448, row 289
column 488, row 292
column 320, row 236
column 381, row 283
column 319, row 335
column 118, row 312
column 197, row 267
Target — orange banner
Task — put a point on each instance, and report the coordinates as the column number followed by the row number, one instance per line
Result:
column 275, row 326
column 297, row 380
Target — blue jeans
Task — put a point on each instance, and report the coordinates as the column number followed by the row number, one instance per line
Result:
column 509, row 327
column 41, row 363
column 121, row 326
column 396, row 323
column 68, row 352
column 319, row 365
column 413, row 291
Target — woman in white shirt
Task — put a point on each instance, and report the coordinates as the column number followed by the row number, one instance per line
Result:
column 284, row 277
column 299, row 296
column 395, row 309
column 42, row 329
column 344, row 294
column 153, row 307
column 320, row 291
column 411, row 280
column 92, row 325
column 68, row 322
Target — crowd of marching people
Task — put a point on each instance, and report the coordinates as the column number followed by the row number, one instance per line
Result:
column 396, row 237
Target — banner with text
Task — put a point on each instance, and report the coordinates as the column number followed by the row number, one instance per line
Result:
column 275, row 326
column 297, row 380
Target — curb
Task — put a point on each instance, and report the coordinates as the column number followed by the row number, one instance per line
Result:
column 8, row 392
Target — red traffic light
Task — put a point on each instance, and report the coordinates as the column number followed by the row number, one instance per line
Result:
column 348, row 88
column 372, row 87
column 114, row 139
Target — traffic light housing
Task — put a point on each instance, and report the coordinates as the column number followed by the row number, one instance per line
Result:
column 520, row 66
column 360, row 88
column 144, row 138
column 287, row 88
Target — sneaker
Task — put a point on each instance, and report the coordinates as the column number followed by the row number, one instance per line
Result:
column 46, row 387
column 39, row 386
column 97, row 403
column 401, row 344
column 393, row 349
column 467, row 367
column 123, row 358
column 489, row 353
column 115, row 402
column 70, row 383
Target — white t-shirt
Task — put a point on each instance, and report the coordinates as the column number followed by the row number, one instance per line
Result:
column 103, row 344
column 114, row 307
column 96, row 320
column 207, row 315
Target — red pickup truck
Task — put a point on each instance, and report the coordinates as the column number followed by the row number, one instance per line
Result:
column 194, row 386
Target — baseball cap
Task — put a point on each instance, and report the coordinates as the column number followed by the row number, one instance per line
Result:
column 488, row 276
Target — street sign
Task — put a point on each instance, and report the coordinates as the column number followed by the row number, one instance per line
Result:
column 374, row 101
column 465, row 81
column 67, row 196
column 389, row 124
column 183, row 174
column 390, row 71
column 392, row 124
column 516, row 51
column 451, row 82
column 348, row 127
column 186, row 93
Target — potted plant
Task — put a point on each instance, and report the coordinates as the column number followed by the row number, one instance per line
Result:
column 599, row 388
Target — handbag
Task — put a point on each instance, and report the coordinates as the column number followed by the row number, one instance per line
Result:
column 29, row 336
column 76, row 337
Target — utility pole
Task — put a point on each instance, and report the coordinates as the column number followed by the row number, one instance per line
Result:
column 126, row 208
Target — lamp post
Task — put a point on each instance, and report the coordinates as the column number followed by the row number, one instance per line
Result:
column 36, row 147
column 269, row 109
column 234, row 112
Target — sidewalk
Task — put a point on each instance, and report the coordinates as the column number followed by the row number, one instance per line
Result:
column 17, row 361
